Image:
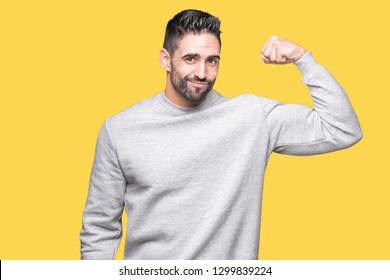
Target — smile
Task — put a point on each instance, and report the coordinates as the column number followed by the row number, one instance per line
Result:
column 199, row 84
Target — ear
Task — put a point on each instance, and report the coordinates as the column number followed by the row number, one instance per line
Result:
column 165, row 60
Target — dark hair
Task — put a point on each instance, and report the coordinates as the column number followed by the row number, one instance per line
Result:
column 189, row 21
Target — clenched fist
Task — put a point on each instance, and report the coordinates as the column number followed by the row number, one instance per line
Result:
column 281, row 51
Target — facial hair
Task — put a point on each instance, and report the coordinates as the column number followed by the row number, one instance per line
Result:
column 181, row 86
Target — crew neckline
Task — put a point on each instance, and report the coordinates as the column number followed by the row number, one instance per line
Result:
column 210, row 99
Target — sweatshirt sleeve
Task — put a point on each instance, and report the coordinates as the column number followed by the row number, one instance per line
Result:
column 102, row 217
column 329, row 126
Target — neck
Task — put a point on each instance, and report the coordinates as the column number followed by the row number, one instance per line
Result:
column 175, row 97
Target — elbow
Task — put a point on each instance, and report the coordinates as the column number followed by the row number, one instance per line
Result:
column 354, row 137
column 359, row 135
column 355, row 131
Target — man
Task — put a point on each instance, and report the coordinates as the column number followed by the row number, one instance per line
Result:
column 188, row 164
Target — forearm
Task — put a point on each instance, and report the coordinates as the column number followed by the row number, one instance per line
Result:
column 102, row 230
column 331, row 102
column 329, row 126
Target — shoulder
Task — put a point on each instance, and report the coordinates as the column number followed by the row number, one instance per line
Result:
column 135, row 113
column 255, row 101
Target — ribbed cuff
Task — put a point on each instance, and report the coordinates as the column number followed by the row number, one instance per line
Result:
column 306, row 63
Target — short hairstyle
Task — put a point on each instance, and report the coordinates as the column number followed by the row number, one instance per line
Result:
column 189, row 21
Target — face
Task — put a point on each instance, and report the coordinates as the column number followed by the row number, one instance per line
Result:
column 194, row 68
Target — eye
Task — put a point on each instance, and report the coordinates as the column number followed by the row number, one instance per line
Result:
column 212, row 61
column 190, row 59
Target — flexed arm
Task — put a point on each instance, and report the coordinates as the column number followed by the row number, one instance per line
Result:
column 301, row 130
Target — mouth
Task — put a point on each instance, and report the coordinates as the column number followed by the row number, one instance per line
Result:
column 199, row 84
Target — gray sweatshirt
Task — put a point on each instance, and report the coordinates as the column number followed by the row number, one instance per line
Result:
column 191, row 179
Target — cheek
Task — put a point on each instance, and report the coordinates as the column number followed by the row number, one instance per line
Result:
column 187, row 70
column 184, row 71
column 213, row 73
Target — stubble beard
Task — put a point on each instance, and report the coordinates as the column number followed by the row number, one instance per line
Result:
column 181, row 86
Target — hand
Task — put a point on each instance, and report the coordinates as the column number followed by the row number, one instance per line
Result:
column 281, row 51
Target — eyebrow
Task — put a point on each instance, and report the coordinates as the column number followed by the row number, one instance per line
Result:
column 198, row 55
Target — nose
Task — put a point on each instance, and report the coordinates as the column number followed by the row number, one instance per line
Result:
column 201, row 71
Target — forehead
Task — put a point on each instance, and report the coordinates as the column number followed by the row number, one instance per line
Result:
column 204, row 43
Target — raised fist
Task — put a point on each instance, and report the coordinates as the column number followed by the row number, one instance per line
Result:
column 281, row 51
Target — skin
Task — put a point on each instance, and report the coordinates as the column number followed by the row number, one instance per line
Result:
column 193, row 68
column 278, row 50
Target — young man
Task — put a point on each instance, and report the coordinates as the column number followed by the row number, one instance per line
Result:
column 188, row 164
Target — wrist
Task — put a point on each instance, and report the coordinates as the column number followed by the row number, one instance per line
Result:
column 303, row 54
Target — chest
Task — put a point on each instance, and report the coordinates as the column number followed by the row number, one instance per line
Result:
column 183, row 148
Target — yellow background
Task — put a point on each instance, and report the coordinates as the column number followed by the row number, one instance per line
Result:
column 67, row 65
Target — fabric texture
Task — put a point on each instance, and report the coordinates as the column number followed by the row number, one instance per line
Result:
column 191, row 179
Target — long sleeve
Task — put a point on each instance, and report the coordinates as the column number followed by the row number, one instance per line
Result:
column 301, row 130
column 102, row 218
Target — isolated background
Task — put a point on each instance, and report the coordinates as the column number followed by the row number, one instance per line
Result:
column 67, row 65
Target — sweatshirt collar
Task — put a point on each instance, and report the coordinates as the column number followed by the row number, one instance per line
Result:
column 212, row 97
